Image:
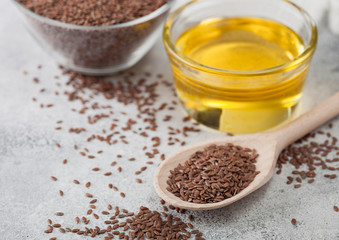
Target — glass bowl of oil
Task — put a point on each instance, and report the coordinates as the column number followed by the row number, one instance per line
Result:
column 239, row 66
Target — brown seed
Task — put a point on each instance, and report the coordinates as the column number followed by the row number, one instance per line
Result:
column 108, row 174
column 139, row 180
column 89, row 195
column 293, row 221
column 76, row 181
column 54, row 178
column 122, row 195
column 88, row 184
column 336, row 208
column 59, row 213
column 61, row 193
column 95, row 169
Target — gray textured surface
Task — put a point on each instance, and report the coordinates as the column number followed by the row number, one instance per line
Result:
column 28, row 155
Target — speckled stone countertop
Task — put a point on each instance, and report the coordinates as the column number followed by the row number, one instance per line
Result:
column 28, row 155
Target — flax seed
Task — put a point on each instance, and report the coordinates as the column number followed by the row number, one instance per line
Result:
column 54, row 178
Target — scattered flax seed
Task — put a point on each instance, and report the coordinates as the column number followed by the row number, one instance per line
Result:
column 58, row 145
column 213, row 174
column 139, row 180
column 113, row 163
column 77, row 220
column 95, row 169
column 310, row 155
column 119, row 169
column 108, row 174
column 88, row 184
column 59, row 213
column 88, row 195
column 336, row 208
column 54, row 178
column 297, row 185
column 293, row 221
column 53, row 238
column 93, row 201
column 64, row 161
column 310, row 181
column 91, row 156
column 127, row 92
column 76, row 181
column 162, row 202
column 122, row 195
column 61, row 193
column 191, row 218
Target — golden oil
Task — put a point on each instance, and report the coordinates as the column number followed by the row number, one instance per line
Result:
column 238, row 76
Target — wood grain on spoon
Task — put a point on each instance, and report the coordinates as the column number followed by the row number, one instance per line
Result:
column 268, row 145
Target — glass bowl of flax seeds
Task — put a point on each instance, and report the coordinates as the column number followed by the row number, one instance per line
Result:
column 95, row 37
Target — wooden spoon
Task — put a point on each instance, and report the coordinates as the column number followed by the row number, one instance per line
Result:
column 268, row 145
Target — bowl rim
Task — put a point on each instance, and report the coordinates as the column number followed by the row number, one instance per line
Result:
column 304, row 55
column 164, row 8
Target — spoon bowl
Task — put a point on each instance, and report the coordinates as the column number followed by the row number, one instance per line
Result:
column 267, row 145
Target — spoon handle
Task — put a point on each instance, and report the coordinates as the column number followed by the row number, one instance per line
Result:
column 308, row 122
